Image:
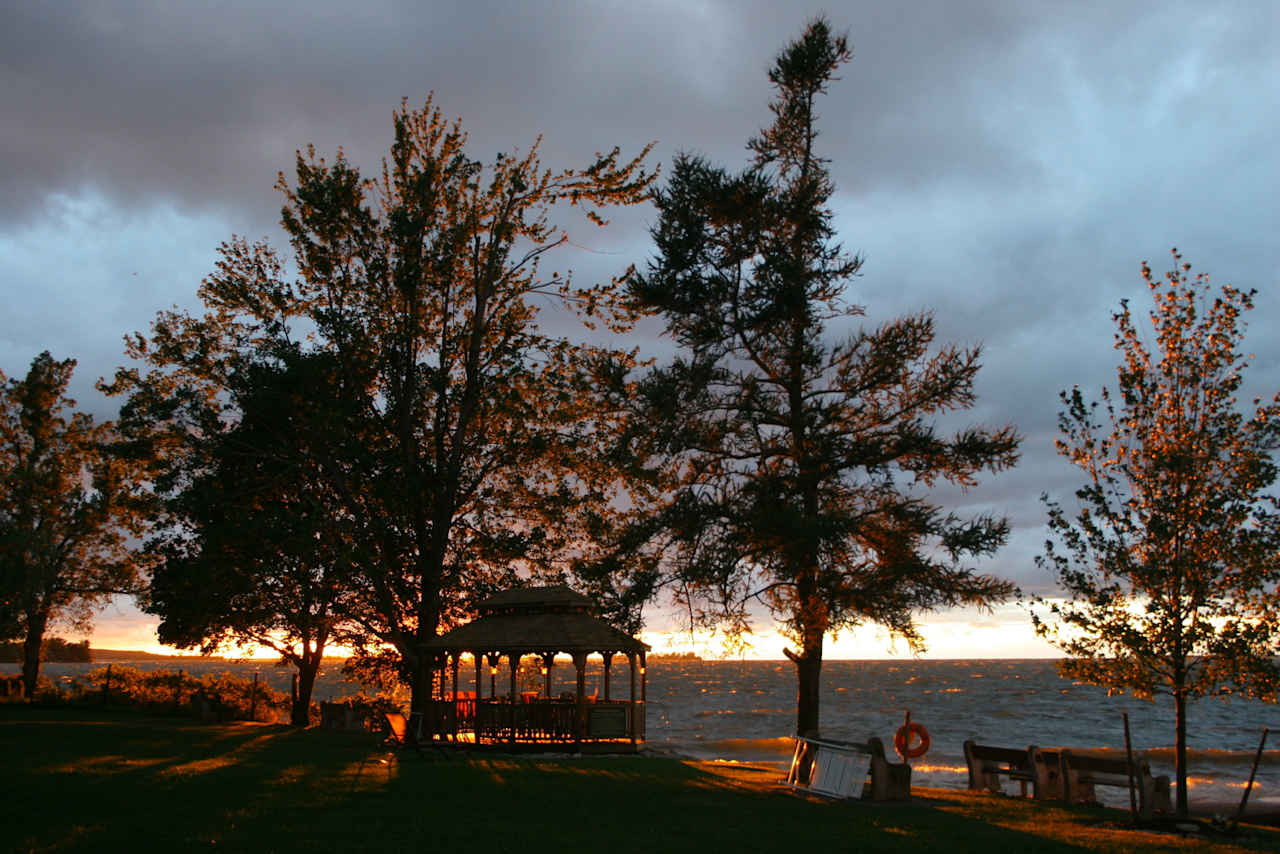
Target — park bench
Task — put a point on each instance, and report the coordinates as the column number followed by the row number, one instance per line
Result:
column 343, row 716
column 988, row 764
column 1041, row 768
column 1083, row 772
column 846, row 769
column 11, row 686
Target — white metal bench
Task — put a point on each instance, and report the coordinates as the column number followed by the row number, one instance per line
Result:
column 846, row 769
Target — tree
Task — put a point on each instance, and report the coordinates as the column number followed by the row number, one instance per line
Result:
column 265, row 552
column 479, row 431
column 1171, row 561
column 787, row 449
column 68, row 513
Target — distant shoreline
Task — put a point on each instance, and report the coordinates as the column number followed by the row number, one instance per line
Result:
column 112, row 656
column 117, row 656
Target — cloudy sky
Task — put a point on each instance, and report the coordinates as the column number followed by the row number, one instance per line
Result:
column 1006, row 165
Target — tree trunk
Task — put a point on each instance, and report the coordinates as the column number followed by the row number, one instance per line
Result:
column 808, row 683
column 420, row 683
column 300, row 714
column 1180, row 750
column 31, row 652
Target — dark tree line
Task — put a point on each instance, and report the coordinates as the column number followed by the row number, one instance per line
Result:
column 51, row 649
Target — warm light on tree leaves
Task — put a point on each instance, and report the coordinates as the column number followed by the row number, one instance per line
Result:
column 1172, row 559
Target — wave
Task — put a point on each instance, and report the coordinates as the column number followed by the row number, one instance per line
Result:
column 737, row 747
column 1195, row 755
column 932, row 768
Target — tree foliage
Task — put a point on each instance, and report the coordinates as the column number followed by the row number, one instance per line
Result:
column 69, row 515
column 1170, row 562
column 264, row 554
column 798, row 464
column 478, row 431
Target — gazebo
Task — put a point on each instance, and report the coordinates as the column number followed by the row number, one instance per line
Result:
column 538, row 621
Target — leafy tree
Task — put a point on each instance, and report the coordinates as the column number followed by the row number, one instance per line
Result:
column 265, row 552
column 479, row 431
column 799, row 463
column 1170, row 562
column 68, row 512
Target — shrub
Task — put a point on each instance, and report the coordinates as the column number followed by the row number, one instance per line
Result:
column 219, row 696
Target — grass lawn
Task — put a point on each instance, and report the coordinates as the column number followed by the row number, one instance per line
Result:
column 77, row 780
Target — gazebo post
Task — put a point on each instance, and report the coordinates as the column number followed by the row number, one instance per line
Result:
column 475, row 706
column 580, row 719
column 514, row 660
column 644, row 697
column 548, row 661
column 608, row 663
column 453, row 705
column 631, row 661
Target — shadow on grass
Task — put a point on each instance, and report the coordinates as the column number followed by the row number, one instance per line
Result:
column 115, row 782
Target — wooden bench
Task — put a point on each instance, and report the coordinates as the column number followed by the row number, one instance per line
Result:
column 846, row 769
column 1082, row 772
column 1046, row 765
column 342, row 716
column 1041, row 768
column 988, row 764
column 11, row 686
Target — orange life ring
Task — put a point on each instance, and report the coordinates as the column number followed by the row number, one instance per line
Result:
column 902, row 740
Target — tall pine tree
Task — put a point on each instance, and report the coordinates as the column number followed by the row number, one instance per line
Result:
column 798, row 464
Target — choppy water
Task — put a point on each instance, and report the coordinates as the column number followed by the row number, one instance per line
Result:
column 745, row 711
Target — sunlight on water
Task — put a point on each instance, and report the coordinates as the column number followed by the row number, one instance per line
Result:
column 933, row 768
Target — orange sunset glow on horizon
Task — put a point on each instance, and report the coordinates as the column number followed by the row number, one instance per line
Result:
column 962, row 634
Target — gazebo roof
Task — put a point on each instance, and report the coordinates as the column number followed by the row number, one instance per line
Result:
column 537, row 620
column 559, row 596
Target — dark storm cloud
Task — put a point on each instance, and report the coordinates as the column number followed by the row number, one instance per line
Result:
column 207, row 105
column 1005, row 165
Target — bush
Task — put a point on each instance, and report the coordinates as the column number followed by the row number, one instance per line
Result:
column 216, row 696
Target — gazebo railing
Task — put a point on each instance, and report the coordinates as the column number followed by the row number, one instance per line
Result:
column 538, row 721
